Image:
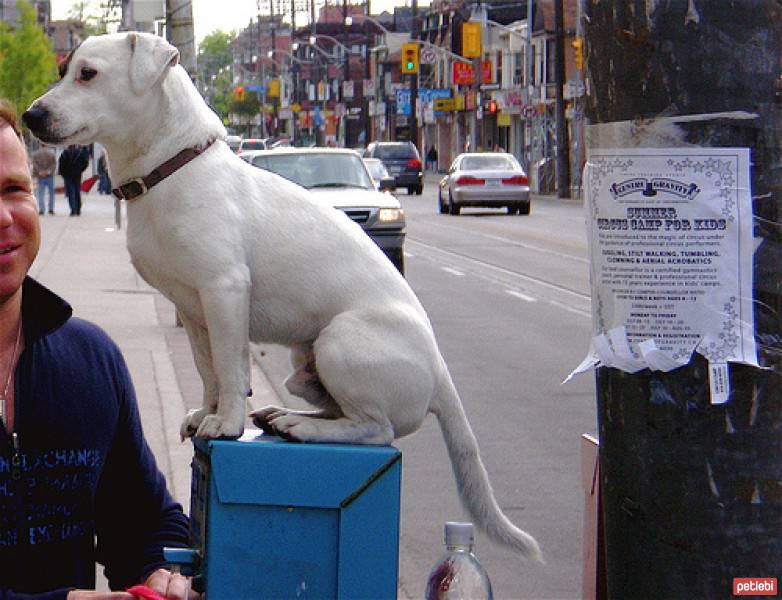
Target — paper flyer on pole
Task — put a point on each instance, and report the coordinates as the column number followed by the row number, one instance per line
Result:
column 670, row 241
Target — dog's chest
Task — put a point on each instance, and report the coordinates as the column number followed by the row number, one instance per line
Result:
column 149, row 246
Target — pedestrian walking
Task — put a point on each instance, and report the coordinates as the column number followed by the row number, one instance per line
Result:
column 104, row 183
column 44, row 164
column 431, row 158
column 76, row 465
column 73, row 161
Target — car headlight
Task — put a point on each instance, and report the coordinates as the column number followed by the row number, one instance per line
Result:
column 388, row 215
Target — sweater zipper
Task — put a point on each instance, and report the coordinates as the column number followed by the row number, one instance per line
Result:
column 16, row 458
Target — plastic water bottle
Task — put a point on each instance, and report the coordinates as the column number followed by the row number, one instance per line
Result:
column 458, row 575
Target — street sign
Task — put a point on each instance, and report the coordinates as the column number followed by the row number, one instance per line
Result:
column 529, row 111
column 445, row 104
column 428, row 55
column 403, row 102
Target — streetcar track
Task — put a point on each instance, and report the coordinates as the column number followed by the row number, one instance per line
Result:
column 503, row 270
column 510, row 242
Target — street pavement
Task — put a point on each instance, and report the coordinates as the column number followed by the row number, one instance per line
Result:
column 84, row 259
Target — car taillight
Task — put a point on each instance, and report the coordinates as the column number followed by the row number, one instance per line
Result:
column 517, row 180
column 470, row 180
column 414, row 163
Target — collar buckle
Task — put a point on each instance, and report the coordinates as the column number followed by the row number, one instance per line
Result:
column 130, row 190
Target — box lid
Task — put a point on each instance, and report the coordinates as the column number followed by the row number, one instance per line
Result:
column 263, row 469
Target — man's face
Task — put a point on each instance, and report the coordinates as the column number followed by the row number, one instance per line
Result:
column 20, row 233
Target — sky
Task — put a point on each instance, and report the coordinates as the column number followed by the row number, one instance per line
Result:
column 227, row 15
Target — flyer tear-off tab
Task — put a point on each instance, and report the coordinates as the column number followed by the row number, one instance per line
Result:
column 719, row 383
column 671, row 246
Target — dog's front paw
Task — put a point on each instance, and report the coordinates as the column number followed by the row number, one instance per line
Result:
column 214, row 426
column 191, row 422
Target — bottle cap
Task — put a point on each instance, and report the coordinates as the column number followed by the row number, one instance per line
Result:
column 458, row 534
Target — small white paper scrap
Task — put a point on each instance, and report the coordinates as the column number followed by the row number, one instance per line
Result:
column 719, row 382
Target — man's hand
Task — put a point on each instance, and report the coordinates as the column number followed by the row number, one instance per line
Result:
column 173, row 586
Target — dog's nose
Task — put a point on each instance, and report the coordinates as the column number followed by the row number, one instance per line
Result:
column 35, row 118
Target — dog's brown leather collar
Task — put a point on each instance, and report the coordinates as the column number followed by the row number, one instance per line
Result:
column 138, row 186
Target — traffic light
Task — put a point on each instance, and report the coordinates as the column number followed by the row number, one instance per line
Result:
column 239, row 93
column 492, row 106
column 410, row 58
column 578, row 55
column 471, row 40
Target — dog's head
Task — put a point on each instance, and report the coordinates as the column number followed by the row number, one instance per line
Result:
column 106, row 83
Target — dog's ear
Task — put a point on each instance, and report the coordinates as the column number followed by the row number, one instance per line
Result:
column 150, row 57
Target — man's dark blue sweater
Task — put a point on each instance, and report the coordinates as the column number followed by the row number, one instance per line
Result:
column 77, row 468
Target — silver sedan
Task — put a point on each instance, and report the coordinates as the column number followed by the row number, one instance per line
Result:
column 485, row 179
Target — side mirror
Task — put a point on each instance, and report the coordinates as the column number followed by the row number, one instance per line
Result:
column 387, row 184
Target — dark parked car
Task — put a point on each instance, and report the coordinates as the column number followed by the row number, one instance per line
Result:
column 402, row 161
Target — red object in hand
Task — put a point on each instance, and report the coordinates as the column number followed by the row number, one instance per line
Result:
column 144, row 592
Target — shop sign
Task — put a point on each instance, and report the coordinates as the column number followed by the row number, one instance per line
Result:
column 347, row 89
column 462, row 73
column 403, row 102
column 369, row 88
column 470, row 100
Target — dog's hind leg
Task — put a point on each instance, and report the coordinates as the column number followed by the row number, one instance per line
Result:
column 370, row 364
column 304, row 383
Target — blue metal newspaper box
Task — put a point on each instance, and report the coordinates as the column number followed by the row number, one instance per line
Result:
column 276, row 519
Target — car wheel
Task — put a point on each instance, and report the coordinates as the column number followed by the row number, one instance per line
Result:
column 419, row 190
column 525, row 208
column 453, row 209
column 397, row 257
column 513, row 209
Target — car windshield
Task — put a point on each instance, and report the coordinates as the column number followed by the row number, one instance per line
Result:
column 479, row 163
column 395, row 151
column 253, row 145
column 312, row 170
column 377, row 170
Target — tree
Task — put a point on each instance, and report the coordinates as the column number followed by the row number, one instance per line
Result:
column 27, row 60
column 245, row 110
column 90, row 14
column 214, row 71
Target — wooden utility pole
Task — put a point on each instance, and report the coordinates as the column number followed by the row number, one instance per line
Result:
column 563, row 137
column 179, row 27
column 692, row 491
column 415, row 28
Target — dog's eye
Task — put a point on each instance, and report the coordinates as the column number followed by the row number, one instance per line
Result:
column 87, row 74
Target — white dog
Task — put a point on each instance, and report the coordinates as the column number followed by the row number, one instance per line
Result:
column 245, row 255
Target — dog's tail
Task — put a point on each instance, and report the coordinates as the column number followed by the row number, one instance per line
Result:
column 472, row 480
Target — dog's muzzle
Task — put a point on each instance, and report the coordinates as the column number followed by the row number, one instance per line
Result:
column 35, row 119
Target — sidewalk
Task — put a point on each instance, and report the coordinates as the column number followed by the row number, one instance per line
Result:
column 84, row 259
